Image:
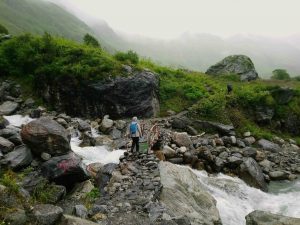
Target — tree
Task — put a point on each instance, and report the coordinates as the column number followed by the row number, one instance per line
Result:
column 90, row 40
column 3, row 30
column 280, row 74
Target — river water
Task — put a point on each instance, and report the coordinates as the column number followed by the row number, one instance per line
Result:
column 235, row 199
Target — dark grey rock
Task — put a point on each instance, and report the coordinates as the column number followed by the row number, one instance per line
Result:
column 268, row 145
column 47, row 214
column 249, row 152
column 5, row 145
column 252, row 174
column 19, row 158
column 96, row 99
column 81, row 211
column 64, row 170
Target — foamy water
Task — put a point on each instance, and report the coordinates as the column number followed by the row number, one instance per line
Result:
column 235, row 199
column 18, row 120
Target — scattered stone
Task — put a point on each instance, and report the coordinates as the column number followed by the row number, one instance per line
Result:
column 249, row 152
column 182, row 149
column 5, row 145
column 72, row 220
column 278, row 175
column 62, row 122
column 83, row 126
column 266, row 218
column 8, row 108
column 260, row 156
column 120, row 124
column 249, row 140
column 18, row 159
column 247, row 134
column 81, row 211
column 169, row 152
column 45, row 156
column 106, row 124
column 81, row 189
column 252, row 174
column 268, row 145
column 47, row 214
column 182, row 139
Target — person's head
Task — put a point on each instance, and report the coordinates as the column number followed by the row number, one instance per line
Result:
column 134, row 119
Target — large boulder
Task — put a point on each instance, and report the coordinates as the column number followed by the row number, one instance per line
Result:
column 266, row 218
column 64, row 170
column 18, row 159
column 8, row 108
column 235, row 64
column 193, row 202
column 46, row 135
column 252, row 174
column 96, row 99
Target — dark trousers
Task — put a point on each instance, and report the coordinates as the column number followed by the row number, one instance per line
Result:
column 135, row 143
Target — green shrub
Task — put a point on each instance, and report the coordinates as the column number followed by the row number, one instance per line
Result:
column 129, row 57
column 9, row 179
column 90, row 40
column 28, row 55
column 280, row 74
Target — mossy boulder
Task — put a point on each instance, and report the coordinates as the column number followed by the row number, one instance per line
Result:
column 235, row 64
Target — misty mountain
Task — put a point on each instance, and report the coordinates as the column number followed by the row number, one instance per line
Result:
column 191, row 51
column 38, row 16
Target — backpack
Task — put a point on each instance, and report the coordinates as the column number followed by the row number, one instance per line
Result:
column 133, row 128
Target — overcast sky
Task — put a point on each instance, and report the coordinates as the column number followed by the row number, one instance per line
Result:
column 171, row 18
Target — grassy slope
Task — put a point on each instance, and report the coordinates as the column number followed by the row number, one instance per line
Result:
column 26, row 57
column 37, row 16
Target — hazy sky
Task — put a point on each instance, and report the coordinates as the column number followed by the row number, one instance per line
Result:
column 171, row 18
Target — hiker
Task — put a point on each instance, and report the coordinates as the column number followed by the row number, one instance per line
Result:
column 135, row 134
column 229, row 88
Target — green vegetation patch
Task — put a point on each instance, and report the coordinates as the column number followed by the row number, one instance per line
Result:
column 27, row 55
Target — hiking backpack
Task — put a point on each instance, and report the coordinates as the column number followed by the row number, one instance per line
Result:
column 133, row 128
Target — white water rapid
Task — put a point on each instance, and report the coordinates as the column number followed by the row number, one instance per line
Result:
column 234, row 198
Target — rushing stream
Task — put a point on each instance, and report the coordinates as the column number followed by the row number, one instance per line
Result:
column 234, row 198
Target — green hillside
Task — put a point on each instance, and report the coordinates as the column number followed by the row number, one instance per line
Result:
column 27, row 57
column 38, row 16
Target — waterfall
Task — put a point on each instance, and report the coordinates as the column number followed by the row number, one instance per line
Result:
column 235, row 199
